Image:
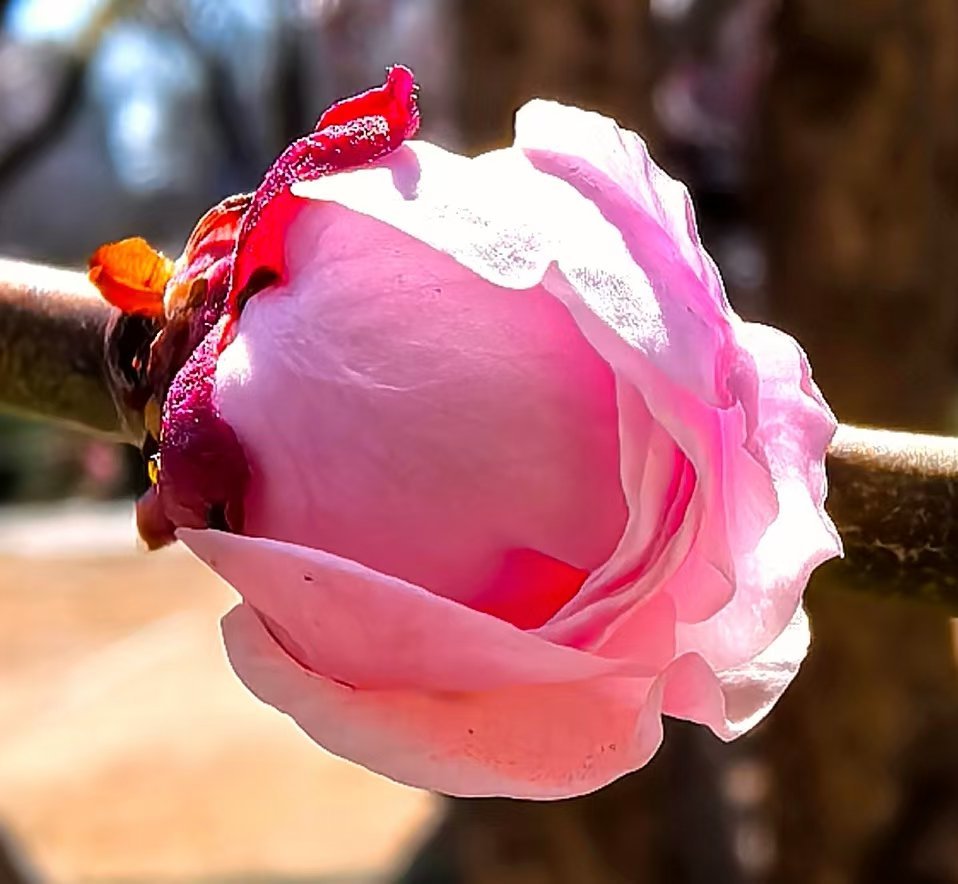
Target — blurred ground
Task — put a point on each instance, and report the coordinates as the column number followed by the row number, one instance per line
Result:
column 129, row 751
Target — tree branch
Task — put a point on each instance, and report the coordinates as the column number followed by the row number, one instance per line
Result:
column 56, row 333
column 894, row 498
column 65, row 355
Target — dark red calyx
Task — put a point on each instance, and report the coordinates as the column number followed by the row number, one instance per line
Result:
column 203, row 473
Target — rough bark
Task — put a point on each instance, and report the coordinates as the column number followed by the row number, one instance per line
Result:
column 894, row 500
column 53, row 332
column 860, row 153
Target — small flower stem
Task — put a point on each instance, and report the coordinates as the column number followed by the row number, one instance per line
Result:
column 893, row 496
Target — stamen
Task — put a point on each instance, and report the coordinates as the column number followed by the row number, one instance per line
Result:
column 153, row 469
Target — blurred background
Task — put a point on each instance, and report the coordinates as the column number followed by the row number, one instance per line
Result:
column 820, row 140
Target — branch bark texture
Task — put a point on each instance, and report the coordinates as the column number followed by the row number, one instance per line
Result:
column 56, row 334
column 53, row 327
column 894, row 497
column 65, row 353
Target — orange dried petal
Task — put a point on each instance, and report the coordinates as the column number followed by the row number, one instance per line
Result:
column 131, row 275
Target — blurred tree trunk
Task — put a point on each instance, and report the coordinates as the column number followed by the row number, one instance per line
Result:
column 861, row 173
column 667, row 823
column 595, row 53
column 12, row 868
column 859, row 192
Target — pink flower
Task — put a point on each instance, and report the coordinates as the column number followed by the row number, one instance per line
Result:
column 500, row 476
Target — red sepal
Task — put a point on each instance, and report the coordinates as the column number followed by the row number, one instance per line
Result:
column 352, row 133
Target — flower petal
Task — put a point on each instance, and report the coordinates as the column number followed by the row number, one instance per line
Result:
column 528, row 741
column 611, row 238
column 404, row 413
column 467, row 209
column 658, row 334
column 348, row 623
column 732, row 701
column 645, row 201
column 794, row 429
column 351, row 133
column 658, row 482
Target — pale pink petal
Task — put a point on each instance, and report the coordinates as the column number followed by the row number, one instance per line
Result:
column 785, row 424
column 754, row 687
column 655, row 208
column 530, row 741
column 733, row 500
column 794, row 428
column 659, row 483
column 468, row 209
column 356, row 626
column 734, row 700
column 611, row 168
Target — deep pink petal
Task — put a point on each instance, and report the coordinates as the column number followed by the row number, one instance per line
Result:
column 530, row 587
column 204, row 472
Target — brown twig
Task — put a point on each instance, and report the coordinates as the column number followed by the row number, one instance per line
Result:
column 65, row 355
column 894, row 498
column 54, row 337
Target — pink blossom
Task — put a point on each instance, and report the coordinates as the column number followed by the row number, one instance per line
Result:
column 500, row 476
